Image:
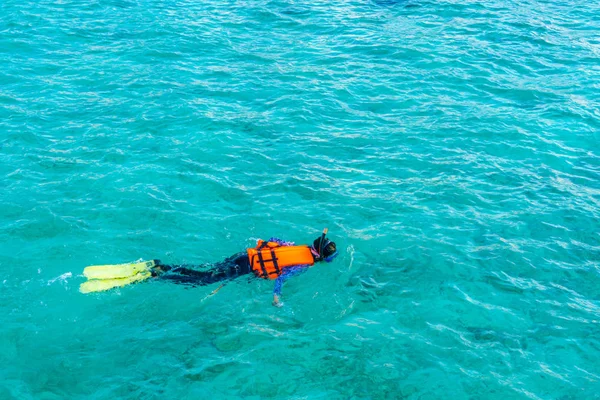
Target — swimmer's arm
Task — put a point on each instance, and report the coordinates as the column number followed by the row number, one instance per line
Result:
column 276, row 301
column 281, row 242
column 287, row 274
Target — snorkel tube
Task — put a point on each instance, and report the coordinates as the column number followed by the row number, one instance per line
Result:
column 322, row 243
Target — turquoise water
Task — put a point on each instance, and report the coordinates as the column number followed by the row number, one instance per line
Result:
column 450, row 147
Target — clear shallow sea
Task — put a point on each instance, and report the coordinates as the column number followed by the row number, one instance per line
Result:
column 452, row 148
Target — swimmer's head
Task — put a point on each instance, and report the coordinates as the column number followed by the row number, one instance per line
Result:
column 325, row 251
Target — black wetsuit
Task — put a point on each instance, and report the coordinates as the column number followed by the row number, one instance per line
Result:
column 230, row 268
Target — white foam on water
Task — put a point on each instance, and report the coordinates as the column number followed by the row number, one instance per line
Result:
column 350, row 251
column 61, row 278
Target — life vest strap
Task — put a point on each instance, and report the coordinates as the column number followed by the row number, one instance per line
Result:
column 275, row 264
column 263, row 267
column 261, row 262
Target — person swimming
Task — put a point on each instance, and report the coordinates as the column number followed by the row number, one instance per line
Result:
column 274, row 259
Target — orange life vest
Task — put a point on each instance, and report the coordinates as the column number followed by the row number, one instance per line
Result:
column 268, row 259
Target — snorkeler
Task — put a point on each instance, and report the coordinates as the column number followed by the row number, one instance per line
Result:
column 273, row 259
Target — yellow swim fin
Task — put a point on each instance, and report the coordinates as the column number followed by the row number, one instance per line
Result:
column 117, row 271
column 100, row 285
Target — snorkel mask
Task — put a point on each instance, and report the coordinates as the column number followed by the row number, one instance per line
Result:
column 330, row 258
column 323, row 243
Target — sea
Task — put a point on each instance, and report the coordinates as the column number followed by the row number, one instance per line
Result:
column 451, row 147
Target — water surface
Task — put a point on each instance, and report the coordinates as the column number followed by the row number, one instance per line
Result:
column 450, row 147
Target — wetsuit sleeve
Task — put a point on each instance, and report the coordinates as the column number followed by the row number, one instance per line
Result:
column 281, row 242
column 287, row 274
